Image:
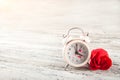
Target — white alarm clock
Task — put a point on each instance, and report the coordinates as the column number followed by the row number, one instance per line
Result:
column 76, row 51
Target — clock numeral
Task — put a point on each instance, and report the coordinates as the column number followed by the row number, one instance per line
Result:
column 77, row 61
column 85, row 52
column 69, row 48
column 69, row 57
column 68, row 53
column 73, row 60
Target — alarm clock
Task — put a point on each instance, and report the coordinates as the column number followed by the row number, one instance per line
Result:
column 76, row 52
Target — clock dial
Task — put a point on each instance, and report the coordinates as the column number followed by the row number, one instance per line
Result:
column 77, row 53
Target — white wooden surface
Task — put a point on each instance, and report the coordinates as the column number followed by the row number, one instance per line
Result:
column 31, row 37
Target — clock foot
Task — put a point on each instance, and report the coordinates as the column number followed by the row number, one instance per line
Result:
column 66, row 66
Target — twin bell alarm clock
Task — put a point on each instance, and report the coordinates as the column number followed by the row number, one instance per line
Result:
column 76, row 51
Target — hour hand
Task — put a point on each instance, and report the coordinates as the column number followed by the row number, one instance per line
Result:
column 80, row 53
column 76, row 52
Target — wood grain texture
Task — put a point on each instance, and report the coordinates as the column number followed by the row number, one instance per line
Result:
column 31, row 38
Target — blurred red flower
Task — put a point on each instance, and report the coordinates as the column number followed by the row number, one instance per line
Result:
column 100, row 59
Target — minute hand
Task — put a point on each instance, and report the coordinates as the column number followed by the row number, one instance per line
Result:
column 77, row 51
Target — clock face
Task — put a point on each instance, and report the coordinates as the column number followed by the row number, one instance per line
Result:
column 76, row 53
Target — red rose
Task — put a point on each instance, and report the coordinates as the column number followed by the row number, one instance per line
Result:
column 100, row 60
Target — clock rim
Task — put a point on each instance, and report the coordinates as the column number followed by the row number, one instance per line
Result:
column 65, row 51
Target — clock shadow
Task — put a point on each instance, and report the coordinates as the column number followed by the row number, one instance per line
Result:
column 70, row 68
column 81, row 68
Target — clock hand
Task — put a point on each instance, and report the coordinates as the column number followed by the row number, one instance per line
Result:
column 77, row 51
column 79, row 54
column 76, row 47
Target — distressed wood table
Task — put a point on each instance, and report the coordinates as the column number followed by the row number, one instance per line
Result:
column 31, row 37
column 27, row 55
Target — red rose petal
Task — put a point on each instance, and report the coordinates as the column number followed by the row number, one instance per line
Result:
column 100, row 59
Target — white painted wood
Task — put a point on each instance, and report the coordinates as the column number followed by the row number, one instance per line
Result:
column 31, row 37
